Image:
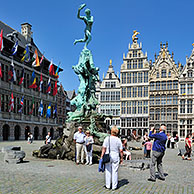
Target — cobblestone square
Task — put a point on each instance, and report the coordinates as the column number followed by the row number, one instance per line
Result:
column 41, row 176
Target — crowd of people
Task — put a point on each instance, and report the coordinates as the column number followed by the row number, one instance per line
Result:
column 114, row 149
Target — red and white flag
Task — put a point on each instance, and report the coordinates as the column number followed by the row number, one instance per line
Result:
column 1, row 40
column 55, row 89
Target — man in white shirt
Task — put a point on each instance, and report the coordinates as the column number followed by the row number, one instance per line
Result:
column 48, row 138
column 79, row 141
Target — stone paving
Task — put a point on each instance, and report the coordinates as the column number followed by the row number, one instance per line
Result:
column 43, row 176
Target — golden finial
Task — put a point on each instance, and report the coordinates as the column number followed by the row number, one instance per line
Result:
column 179, row 64
column 110, row 61
column 193, row 44
column 163, row 54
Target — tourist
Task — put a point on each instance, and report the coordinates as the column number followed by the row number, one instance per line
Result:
column 126, row 152
column 28, row 138
column 79, row 141
column 145, row 138
column 31, row 138
column 168, row 142
column 176, row 139
column 112, row 143
column 158, row 151
column 48, row 138
column 148, row 146
column 88, row 147
column 187, row 147
column 172, row 142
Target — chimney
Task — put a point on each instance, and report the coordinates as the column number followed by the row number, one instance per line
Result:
column 26, row 31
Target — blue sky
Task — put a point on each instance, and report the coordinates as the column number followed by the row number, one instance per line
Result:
column 55, row 26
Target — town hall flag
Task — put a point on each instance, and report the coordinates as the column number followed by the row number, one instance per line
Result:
column 12, row 74
column 15, row 48
column 21, row 77
column 33, row 81
column 1, row 40
column 48, row 89
column 41, row 83
column 26, row 56
column 40, row 110
column 21, row 104
column 51, row 69
column 48, row 113
column 55, row 89
column 32, row 107
column 35, row 63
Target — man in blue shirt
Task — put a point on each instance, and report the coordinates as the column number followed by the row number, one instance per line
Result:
column 158, row 151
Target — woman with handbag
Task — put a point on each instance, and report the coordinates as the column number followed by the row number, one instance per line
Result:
column 112, row 147
column 88, row 147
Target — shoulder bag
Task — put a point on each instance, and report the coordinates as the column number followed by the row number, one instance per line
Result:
column 106, row 157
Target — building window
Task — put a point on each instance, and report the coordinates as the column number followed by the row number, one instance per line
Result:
column 163, row 99
column 128, row 78
column 157, row 114
column 129, row 107
column 123, row 92
column 169, row 85
column 163, row 75
column 139, row 91
column 163, row 114
column 139, row 107
column 182, row 106
column 189, row 106
column 182, row 88
column 128, row 122
column 140, row 64
column 169, row 128
column 169, row 73
column 152, row 114
column 134, row 77
column 128, row 64
column 157, row 85
column 146, row 77
column 134, row 64
column 134, row 122
column 175, row 99
column 175, row 114
column 190, row 74
column 128, row 92
column 102, row 96
column 146, row 91
column 175, row 84
column 164, row 85
column 135, row 53
column 145, row 107
column 134, row 108
column 140, row 78
column 123, row 107
column 152, row 86
column 190, row 88
column 110, row 75
column 112, row 84
column 134, row 92
column 169, row 99
column 145, row 122
column 151, row 100
column 169, row 114
column 189, row 125
column 117, row 95
column 157, row 74
column 123, row 78
column 157, row 99
column 139, row 122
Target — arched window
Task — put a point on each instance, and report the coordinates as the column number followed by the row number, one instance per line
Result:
column 110, row 75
